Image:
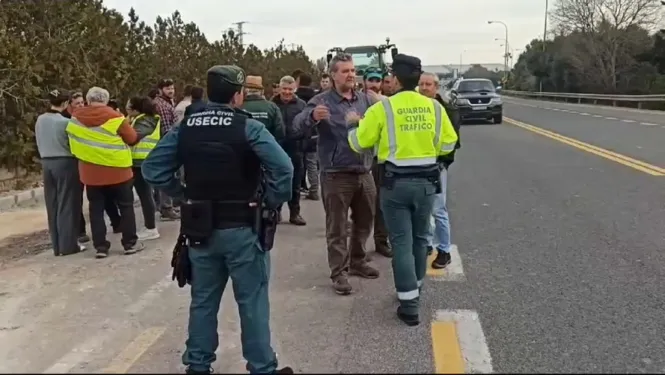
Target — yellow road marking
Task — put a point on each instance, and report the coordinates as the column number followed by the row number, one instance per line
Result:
column 445, row 346
column 610, row 155
column 124, row 361
column 433, row 271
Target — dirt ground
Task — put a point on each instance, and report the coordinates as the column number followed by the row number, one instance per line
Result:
column 20, row 246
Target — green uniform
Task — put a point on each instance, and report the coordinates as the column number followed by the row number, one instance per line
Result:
column 267, row 113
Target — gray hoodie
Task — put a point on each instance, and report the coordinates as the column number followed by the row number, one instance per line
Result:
column 144, row 126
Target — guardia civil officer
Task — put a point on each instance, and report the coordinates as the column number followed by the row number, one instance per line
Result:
column 222, row 150
column 411, row 133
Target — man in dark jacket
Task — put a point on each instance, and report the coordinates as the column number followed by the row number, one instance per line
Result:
column 310, row 159
column 198, row 104
column 290, row 105
column 261, row 109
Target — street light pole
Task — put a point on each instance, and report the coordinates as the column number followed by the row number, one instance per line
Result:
column 459, row 70
column 544, row 38
column 505, row 55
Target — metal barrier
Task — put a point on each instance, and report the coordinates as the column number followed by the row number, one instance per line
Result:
column 603, row 99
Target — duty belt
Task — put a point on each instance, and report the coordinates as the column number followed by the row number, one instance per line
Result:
column 389, row 178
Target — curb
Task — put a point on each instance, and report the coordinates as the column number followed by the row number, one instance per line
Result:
column 27, row 198
column 22, row 198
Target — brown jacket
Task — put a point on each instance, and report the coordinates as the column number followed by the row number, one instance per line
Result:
column 99, row 175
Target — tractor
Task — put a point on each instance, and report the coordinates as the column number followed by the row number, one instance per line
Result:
column 366, row 56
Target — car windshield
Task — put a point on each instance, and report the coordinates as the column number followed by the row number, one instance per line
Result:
column 475, row 86
column 363, row 60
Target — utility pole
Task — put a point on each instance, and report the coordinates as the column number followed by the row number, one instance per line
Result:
column 240, row 32
column 544, row 39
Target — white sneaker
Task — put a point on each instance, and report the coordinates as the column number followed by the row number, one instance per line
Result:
column 148, row 234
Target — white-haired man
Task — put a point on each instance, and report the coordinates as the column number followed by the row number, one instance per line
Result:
column 99, row 137
column 290, row 106
column 440, row 235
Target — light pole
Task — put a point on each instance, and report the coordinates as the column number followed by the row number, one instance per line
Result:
column 505, row 56
column 459, row 70
column 544, row 39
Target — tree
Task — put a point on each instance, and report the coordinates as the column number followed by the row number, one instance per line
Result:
column 78, row 44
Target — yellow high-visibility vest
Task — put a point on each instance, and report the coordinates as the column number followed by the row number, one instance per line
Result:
column 99, row 145
column 141, row 150
column 407, row 129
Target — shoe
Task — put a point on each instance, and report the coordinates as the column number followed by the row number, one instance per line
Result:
column 169, row 215
column 442, row 260
column 297, row 220
column 341, row 285
column 148, row 234
column 312, row 195
column 408, row 319
column 190, row 371
column 83, row 238
column 430, row 250
column 102, row 253
column 135, row 248
column 285, row 370
column 364, row 271
column 384, row 250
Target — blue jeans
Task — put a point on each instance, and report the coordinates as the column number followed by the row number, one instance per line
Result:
column 233, row 253
column 406, row 208
column 440, row 234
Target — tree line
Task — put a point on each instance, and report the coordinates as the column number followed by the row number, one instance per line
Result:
column 77, row 44
column 596, row 46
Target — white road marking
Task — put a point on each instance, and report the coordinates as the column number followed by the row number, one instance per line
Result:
column 153, row 292
column 648, row 124
column 597, row 116
column 95, row 344
column 80, row 353
column 473, row 345
column 628, row 120
column 610, row 118
column 584, row 114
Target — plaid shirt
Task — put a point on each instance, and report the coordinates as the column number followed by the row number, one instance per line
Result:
column 166, row 112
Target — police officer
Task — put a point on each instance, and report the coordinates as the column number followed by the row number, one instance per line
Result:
column 222, row 150
column 411, row 133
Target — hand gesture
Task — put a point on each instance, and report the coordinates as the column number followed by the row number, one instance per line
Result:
column 352, row 118
column 321, row 112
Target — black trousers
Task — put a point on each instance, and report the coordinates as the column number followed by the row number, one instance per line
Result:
column 297, row 159
column 111, row 209
column 144, row 191
column 122, row 195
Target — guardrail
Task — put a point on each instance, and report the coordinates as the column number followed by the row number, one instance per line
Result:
column 635, row 101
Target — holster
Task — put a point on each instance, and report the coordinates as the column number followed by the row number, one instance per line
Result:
column 197, row 221
column 267, row 228
column 182, row 268
column 389, row 178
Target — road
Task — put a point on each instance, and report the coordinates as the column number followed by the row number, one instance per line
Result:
column 559, row 268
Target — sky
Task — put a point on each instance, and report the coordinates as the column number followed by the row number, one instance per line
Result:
column 436, row 31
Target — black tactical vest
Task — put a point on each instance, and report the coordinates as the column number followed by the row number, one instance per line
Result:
column 218, row 161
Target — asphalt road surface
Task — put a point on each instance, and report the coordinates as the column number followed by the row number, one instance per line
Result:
column 558, row 220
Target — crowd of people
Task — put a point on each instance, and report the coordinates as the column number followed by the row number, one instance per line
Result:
column 88, row 144
column 315, row 159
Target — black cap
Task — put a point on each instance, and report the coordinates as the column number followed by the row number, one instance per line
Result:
column 58, row 95
column 406, row 65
